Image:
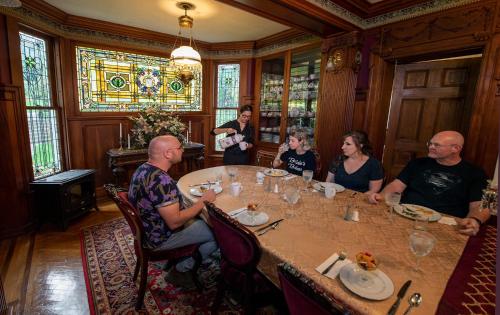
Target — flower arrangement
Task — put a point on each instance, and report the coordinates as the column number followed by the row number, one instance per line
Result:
column 152, row 121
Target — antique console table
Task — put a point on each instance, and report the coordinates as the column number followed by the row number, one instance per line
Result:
column 123, row 162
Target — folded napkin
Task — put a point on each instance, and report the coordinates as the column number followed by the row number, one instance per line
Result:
column 448, row 221
column 236, row 212
column 332, row 274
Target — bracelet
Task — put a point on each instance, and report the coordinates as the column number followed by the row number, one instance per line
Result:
column 477, row 220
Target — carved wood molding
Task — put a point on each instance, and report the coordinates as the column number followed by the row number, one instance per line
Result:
column 348, row 40
column 342, row 52
column 465, row 26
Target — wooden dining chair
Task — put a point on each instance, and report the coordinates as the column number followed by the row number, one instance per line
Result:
column 264, row 158
column 144, row 254
column 241, row 252
column 303, row 296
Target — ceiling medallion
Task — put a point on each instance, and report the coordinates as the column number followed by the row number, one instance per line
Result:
column 185, row 59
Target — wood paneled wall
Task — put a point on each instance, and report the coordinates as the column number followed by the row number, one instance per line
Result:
column 337, row 96
column 459, row 31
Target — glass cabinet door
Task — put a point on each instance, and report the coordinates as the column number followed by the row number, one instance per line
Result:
column 303, row 92
column 271, row 98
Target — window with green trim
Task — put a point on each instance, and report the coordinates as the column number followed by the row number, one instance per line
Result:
column 228, row 95
column 117, row 81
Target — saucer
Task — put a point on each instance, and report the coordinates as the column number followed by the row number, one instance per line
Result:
column 247, row 219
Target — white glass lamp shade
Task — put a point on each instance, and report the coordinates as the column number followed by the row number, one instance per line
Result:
column 185, row 55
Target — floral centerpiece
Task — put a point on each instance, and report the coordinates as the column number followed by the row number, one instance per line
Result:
column 152, row 121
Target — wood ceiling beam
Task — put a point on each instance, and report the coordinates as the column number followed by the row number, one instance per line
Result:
column 294, row 13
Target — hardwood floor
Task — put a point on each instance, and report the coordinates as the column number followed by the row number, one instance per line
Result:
column 42, row 272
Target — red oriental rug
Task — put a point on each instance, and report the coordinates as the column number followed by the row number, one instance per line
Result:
column 108, row 262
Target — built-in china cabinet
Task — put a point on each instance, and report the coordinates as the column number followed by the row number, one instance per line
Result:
column 287, row 95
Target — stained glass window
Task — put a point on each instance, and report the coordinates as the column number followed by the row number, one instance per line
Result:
column 228, row 95
column 43, row 128
column 115, row 81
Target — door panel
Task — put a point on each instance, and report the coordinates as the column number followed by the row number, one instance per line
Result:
column 427, row 97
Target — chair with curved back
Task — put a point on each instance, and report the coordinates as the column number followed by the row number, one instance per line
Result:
column 303, row 296
column 145, row 254
column 264, row 158
column 241, row 252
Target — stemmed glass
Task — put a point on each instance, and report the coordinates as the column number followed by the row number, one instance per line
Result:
column 232, row 172
column 421, row 244
column 307, row 176
column 292, row 196
column 392, row 199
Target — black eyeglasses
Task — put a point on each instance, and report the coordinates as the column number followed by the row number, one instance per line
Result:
column 438, row 145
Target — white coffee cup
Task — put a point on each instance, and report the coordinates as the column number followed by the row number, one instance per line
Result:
column 260, row 178
column 243, row 145
column 236, row 189
column 330, row 191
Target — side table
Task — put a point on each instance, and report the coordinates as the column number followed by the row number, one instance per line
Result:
column 65, row 196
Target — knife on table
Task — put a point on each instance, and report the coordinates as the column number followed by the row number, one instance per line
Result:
column 268, row 226
column 401, row 294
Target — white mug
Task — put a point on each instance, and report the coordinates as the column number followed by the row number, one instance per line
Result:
column 330, row 191
column 243, row 145
column 236, row 189
column 260, row 178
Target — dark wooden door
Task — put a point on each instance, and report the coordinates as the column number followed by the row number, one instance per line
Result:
column 427, row 97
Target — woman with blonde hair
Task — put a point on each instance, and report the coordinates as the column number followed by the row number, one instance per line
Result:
column 357, row 169
column 296, row 154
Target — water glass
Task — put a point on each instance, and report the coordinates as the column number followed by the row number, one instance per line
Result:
column 392, row 199
column 307, row 176
column 421, row 244
column 292, row 196
column 260, row 178
column 232, row 172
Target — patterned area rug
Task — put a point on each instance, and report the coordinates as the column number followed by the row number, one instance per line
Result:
column 109, row 261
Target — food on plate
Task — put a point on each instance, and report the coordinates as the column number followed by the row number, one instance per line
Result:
column 252, row 207
column 276, row 172
column 366, row 261
column 203, row 188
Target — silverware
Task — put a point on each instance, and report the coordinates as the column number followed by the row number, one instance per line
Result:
column 235, row 214
column 414, row 301
column 209, row 183
column 342, row 256
column 400, row 295
column 267, row 226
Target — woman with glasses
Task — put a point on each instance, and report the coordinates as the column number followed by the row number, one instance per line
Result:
column 296, row 154
column 237, row 154
column 356, row 169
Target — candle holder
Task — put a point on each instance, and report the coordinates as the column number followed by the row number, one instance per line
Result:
column 121, row 144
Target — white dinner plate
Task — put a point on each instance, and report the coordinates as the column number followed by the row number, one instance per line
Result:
column 372, row 285
column 275, row 172
column 247, row 219
column 321, row 186
column 198, row 193
column 415, row 211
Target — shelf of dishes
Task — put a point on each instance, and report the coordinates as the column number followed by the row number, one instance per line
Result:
column 269, row 137
column 308, row 130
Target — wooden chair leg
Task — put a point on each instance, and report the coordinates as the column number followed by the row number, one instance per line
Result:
column 137, row 268
column 221, row 287
column 143, row 283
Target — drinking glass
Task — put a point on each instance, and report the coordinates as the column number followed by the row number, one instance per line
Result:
column 421, row 244
column 307, row 176
column 292, row 196
column 232, row 172
column 420, row 223
column 392, row 199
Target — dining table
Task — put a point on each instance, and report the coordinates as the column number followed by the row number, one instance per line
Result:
column 314, row 228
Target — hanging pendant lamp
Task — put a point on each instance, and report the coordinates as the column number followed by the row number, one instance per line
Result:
column 185, row 59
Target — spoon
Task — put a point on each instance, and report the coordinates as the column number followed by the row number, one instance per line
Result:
column 342, row 256
column 414, row 301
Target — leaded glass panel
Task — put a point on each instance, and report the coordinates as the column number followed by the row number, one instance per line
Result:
column 35, row 72
column 114, row 81
column 228, row 95
column 45, row 141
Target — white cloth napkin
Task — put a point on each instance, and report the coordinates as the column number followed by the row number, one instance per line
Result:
column 237, row 212
column 332, row 274
column 448, row 221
